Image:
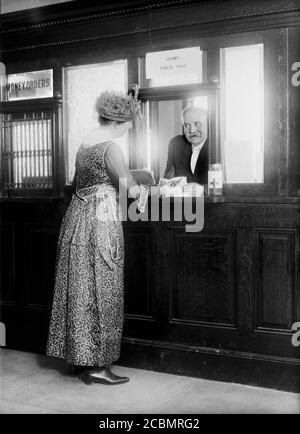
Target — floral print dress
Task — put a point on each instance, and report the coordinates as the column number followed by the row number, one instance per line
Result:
column 87, row 314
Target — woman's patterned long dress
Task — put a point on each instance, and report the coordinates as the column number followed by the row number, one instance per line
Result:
column 87, row 313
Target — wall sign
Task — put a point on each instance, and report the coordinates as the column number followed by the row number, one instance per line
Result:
column 182, row 62
column 296, row 75
column 30, row 85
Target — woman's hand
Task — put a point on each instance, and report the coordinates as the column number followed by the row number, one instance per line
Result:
column 154, row 191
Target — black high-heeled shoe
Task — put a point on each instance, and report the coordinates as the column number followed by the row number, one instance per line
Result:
column 102, row 376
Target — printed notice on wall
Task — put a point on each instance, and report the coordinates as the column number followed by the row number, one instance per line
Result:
column 30, row 85
column 176, row 66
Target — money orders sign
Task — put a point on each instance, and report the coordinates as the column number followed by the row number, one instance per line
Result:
column 30, row 85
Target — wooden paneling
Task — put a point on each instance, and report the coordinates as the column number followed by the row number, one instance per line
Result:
column 139, row 274
column 275, row 280
column 7, row 263
column 218, row 365
column 294, row 113
column 202, row 277
column 8, row 301
column 100, row 24
column 225, row 294
column 39, row 258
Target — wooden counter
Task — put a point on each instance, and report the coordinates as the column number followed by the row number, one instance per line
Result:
column 216, row 304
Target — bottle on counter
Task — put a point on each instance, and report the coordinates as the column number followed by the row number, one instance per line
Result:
column 215, row 179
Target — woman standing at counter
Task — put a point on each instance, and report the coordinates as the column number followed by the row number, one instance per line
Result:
column 87, row 314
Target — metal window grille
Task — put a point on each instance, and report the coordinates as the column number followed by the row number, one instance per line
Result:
column 26, row 150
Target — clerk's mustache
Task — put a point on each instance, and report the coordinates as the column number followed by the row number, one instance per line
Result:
column 196, row 134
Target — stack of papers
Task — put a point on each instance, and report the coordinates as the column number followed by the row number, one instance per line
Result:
column 178, row 187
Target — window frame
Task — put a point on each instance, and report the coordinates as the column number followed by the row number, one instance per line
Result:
column 223, row 102
column 181, row 92
column 68, row 181
column 53, row 105
column 274, row 78
column 275, row 105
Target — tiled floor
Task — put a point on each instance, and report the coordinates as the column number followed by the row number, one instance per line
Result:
column 33, row 383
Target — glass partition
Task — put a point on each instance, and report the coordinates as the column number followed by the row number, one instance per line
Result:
column 162, row 122
column 82, row 85
column 242, row 129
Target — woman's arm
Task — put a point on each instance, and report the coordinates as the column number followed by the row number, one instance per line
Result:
column 122, row 178
column 118, row 172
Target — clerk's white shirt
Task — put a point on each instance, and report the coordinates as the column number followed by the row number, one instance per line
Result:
column 196, row 151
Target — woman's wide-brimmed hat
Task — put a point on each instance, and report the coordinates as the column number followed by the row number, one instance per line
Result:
column 117, row 106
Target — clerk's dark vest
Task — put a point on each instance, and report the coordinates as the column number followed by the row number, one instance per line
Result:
column 180, row 151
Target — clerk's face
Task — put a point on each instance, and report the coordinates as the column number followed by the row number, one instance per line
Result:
column 195, row 125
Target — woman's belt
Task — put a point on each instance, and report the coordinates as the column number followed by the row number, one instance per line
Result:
column 99, row 190
column 108, row 214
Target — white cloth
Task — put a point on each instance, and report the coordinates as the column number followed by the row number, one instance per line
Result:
column 196, row 151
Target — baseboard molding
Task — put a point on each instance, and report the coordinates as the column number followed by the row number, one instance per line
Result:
column 252, row 369
column 281, row 373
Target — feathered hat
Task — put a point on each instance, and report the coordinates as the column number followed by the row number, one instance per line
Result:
column 117, row 106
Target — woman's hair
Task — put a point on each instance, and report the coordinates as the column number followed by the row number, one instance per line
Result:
column 116, row 106
column 106, row 122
